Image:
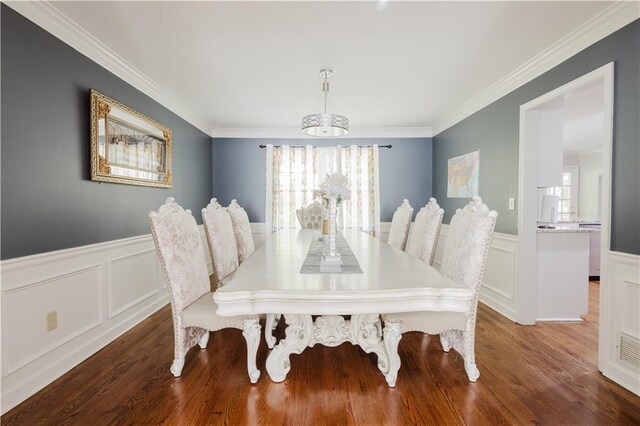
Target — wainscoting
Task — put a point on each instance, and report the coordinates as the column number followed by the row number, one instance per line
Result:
column 98, row 292
column 620, row 342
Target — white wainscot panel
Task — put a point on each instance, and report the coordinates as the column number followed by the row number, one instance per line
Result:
column 498, row 284
column 26, row 308
column 132, row 279
column 99, row 292
column 259, row 234
column 621, row 304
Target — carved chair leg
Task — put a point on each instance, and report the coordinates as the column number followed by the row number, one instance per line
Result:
column 392, row 335
column 181, row 347
column 251, row 333
column 470, row 356
column 176, row 367
column 269, row 326
column 445, row 341
column 204, row 340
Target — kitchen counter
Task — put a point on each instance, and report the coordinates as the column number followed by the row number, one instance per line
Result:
column 563, row 273
column 567, row 229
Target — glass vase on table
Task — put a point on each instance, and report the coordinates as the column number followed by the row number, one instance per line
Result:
column 331, row 256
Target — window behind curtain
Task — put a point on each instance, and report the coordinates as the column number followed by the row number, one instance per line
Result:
column 567, row 195
column 294, row 172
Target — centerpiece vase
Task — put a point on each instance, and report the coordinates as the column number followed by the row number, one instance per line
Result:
column 333, row 213
column 331, row 256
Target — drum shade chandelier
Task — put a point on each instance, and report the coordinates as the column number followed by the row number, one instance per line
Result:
column 324, row 124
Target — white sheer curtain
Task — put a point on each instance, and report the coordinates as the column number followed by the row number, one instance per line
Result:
column 294, row 172
column 362, row 211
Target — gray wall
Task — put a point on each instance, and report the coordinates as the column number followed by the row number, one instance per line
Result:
column 48, row 201
column 494, row 130
column 239, row 171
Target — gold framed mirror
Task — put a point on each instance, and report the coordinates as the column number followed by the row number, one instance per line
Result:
column 128, row 147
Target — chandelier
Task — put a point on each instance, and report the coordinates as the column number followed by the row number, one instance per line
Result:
column 323, row 124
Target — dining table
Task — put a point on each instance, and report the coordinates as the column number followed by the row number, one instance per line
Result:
column 330, row 306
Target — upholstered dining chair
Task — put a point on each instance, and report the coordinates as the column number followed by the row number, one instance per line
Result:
column 424, row 233
column 241, row 230
column 177, row 239
column 310, row 217
column 464, row 258
column 245, row 246
column 400, row 224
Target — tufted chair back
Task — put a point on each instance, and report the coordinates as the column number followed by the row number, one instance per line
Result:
column 400, row 224
column 310, row 217
column 423, row 237
column 468, row 243
column 177, row 239
column 241, row 230
column 221, row 239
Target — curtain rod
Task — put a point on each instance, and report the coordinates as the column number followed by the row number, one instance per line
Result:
column 328, row 146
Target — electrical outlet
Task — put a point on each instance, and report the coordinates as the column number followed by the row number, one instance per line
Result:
column 52, row 321
column 512, row 203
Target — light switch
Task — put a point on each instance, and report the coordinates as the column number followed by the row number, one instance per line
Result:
column 512, row 203
column 52, row 321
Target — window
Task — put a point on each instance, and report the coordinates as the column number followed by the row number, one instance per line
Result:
column 567, row 195
column 294, row 172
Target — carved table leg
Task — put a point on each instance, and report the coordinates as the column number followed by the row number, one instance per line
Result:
column 392, row 336
column 269, row 326
column 365, row 334
column 298, row 336
column 331, row 330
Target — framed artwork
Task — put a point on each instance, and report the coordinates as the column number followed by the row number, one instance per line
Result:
column 128, row 147
column 463, row 177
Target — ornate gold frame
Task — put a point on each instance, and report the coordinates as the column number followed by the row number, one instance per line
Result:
column 102, row 107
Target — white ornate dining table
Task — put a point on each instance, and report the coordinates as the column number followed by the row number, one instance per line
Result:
column 270, row 282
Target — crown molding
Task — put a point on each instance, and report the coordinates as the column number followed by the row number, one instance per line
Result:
column 296, row 133
column 605, row 23
column 49, row 18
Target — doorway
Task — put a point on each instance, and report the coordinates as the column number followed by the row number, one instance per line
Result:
column 532, row 115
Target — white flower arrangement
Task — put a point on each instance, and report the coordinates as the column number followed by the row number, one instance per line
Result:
column 335, row 186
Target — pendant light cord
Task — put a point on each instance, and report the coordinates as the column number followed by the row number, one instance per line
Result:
column 325, row 89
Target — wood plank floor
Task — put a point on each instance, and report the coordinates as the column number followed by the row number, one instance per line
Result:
column 544, row 374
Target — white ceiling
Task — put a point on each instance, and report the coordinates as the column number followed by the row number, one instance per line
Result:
column 255, row 64
column 584, row 119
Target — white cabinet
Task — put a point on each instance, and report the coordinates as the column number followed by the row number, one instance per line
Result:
column 551, row 146
column 563, row 279
column 594, row 248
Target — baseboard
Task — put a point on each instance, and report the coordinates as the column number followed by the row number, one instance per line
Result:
column 486, row 299
column 559, row 320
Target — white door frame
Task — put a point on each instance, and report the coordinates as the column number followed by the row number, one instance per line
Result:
column 528, row 200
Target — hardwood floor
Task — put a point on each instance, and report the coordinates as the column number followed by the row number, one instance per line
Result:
column 544, row 374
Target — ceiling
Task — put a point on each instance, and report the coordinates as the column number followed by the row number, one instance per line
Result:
column 584, row 119
column 255, row 64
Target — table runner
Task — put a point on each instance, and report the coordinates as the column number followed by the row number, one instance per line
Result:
column 312, row 263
